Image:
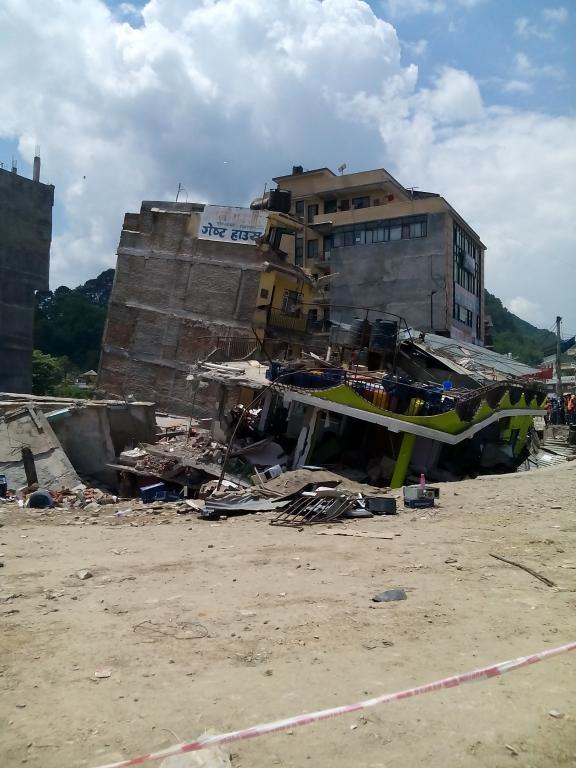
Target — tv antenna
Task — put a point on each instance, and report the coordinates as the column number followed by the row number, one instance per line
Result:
column 181, row 189
column 342, row 168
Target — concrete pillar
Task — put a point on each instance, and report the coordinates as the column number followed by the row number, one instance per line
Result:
column 403, row 460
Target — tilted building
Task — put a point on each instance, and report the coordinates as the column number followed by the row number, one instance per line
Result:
column 193, row 282
column 25, row 236
column 391, row 249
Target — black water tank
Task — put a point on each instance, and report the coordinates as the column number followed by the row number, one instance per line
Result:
column 280, row 200
column 360, row 332
column 383, row 334
column 297, row 170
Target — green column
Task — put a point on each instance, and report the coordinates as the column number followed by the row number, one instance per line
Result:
column 403, row 460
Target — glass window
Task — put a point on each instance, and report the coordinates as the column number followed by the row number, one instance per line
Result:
column 405, row 231
column 312, row 250
column 299, row 251
column 361, row 202
column 395, row 233
column 344, row 205
column 359, row 237
column 299, row 208
column 330, row 206
column 312, row 211
column 348, row 238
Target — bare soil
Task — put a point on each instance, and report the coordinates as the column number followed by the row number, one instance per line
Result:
column 216, row 626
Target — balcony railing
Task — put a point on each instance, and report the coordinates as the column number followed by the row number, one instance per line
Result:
column 295, row 323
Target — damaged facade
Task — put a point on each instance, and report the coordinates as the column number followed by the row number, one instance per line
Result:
column 195, row 281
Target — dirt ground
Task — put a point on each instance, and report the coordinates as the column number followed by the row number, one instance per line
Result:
column 216, row 626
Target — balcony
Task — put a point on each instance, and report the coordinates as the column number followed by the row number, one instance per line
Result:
column 284, row 321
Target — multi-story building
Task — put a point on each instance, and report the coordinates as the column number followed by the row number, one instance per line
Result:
column 389, row 249
column 25, row 236
column 194, row 281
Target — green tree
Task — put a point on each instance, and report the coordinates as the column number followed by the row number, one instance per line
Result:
column 70, row 322
column 47, row 372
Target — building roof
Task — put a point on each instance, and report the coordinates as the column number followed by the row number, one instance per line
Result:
column 479, row 362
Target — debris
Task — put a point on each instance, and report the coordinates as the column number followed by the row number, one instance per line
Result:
column 536, row 575
column 102, row 674
column 5, row 597
column 513, row 752
column 450, row 560
column 556, row 714
column 84, row 574
column 360, row 534
column 381, row 505
column 179, row 630
column 40, row 499
column 312, row 507
column 390, row 596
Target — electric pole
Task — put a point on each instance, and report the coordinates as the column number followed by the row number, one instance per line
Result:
column 558, row 358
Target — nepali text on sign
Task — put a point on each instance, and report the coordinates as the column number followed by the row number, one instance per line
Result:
column 232, row 225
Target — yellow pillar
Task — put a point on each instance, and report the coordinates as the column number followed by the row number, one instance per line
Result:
column 523, row 425
column 403, row 460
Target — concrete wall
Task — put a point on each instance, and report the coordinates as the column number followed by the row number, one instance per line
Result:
column 25, row 234
column 173, row 295
column 396, row 277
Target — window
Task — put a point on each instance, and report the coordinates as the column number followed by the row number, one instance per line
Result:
column 344, row 205
column 360, row 202
column 378, row 232
column 299, row 209
column 264, row 293
column 463, row 315
column 330, row 206
column 312, row 250
column 291, row 303
column 299, row 251
column 312, row 211
column 467, row 255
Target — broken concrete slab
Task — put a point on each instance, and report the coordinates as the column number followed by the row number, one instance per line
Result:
column 27, row 427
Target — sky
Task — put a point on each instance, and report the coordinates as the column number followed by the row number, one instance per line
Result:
column 473, row 99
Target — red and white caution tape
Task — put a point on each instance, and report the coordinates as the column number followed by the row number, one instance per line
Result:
column 324, row 714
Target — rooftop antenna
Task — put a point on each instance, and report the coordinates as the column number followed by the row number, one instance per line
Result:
column 411, row 190
column 181, row 189
column 342, row 168
column 14, row 168
column 36, row 167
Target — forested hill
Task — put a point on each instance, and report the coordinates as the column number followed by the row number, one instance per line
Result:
column 512, row 334
column 70, row 321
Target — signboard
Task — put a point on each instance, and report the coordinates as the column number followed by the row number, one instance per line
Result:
column 232, row 225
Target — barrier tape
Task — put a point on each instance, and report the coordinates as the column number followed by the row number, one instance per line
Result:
column 206, row 742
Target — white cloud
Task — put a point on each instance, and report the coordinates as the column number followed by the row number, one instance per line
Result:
column 524, row 68
column 545, row 27
column 401, row 8
column 416, row 48
column 517, row 86
column 555, row 15
column 223, row 95
column 528, row 310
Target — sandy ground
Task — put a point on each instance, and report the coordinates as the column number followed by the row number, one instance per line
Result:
column 263, row 622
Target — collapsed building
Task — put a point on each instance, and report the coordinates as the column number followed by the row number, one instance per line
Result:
column 193, row 282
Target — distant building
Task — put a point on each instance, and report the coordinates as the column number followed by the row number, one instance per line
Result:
column 86, row 380
column 25, row 236
column 396, row 250
column 194, row 281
